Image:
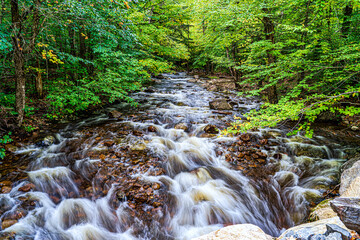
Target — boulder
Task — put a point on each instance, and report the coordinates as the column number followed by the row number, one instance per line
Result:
column 348, row 209
column 221, row 84
column 235, row 232
column 350, row 181
column 335, row 229
column 305, row 231
column 220, row 104
column 322, row 211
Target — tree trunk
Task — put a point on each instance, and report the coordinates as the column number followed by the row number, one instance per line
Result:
column 269, row 30
column 38, row 82
column 19, row 61
column 346, row 24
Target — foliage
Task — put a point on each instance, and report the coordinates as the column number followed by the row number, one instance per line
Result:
column 4, row 140
column 309, row 61
column 89, row 53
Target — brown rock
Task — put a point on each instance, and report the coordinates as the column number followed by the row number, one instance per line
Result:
column 6, row 189
column 152, row 129
column 8, row 223
column 114, row 114
column 182, row 126
column 245, row 137
column 212, row 129
column 137, row 133
column 109, row 143
column 27, row 187
column 5, row 183
column 263, row 141
column 156, row 186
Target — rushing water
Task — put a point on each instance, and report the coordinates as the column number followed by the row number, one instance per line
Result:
column 202, row 191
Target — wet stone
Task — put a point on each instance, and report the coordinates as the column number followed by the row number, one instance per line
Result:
column 46, row 141
column 27, row 187
column 333, row 228
column 8, row 223
column 6, row 189
column 211, row 129
column 114, row 114
column 182, row 126
column 152, row 129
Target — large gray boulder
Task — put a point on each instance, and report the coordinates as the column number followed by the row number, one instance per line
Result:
column 350, row 181
column 314, row 229
column 236, row 232
column 220, row 104
column 348, row 209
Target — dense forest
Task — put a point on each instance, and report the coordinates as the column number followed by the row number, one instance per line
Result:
column 61, row 58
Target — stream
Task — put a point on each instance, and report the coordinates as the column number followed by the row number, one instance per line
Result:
column 162, row 171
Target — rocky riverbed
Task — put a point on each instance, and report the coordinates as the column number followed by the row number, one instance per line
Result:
column 163, row 171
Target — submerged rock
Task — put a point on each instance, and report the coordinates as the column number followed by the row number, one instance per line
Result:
column 348, row 209
column 220, row 104
column 235, row 232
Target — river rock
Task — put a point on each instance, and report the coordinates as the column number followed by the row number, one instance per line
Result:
column 152, row 129
column 211, row 129
column 27, row 187
column 114, row 114
column 221, row 84
column 354, row 128
column 6, row 189
column 182, row 126
column 138, row 147
column 350, row 181
column 305, row 231
column 309, row 150
column 332, row 228
column 348, row 209
column 46, row 141
column 235, row 232
column 322, row 211
column 220, row 104
column 8, row 223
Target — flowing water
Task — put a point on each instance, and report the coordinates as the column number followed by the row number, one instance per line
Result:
column 155, row 174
